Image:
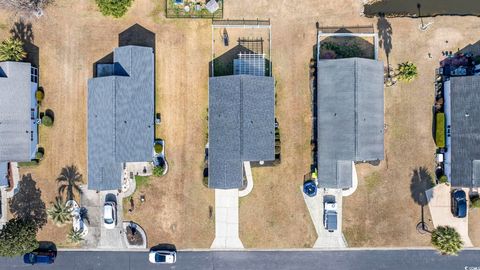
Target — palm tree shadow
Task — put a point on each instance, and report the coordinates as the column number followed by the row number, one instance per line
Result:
column 69, row 180
column 421, row 182
column 23, row 31
column 385, row 36
column 27, row 203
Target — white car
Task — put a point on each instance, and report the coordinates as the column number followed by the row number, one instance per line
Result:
column 162, row 256
column 109, row 215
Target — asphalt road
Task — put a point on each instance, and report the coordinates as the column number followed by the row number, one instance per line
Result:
column 276, row 260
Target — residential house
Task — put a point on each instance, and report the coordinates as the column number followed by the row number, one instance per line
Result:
column 18, row 114
column 350, row 118
column 462, row 156
column 241, row 121
column 120, row 116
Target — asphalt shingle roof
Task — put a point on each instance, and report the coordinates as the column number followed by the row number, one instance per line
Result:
column 465, row 131
column 350, row 117
column 120, row 117
column 241, row 126
column 15, row 109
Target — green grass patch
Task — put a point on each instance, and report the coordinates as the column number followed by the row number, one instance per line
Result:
column 440, row 130
column 28, row 163
column 372, row 180
column 142, row 181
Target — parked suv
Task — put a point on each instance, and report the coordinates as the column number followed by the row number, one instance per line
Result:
column 459, row 203
column 330, row 213
column 39, row 257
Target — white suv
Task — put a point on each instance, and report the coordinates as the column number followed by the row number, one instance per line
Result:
column 109, row 215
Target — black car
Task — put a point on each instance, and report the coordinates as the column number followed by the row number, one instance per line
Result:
column 459, row 203
column 40, row 257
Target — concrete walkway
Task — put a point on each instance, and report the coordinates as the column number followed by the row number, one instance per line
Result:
column 325, row 238
column 439, row 205
column 248, row 174
column 226, row 220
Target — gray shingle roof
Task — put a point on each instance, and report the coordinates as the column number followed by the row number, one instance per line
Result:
column 241, row 126
column 350, row 117
column 120, row 117
column 15, row 108
column 465, row 131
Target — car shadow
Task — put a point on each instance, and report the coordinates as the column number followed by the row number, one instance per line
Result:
column 164, row 246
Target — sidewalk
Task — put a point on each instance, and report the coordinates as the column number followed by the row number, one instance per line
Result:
column 226, row 220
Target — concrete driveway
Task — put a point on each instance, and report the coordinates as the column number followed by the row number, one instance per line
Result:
column 325, row 238
column 440, row 205
column 98, row 236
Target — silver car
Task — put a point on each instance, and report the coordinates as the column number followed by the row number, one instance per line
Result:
column 109, row 215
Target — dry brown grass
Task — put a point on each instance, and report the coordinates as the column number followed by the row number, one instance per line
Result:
column 274, row 214
column 177, row 206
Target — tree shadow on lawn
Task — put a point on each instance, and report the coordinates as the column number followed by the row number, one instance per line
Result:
column 421, row 182
column 23, row 31
column 27, row 203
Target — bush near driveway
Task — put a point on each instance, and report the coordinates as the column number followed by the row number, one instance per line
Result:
column 18, row 237
column 59, row 212
column 475, row 202
column 158, row 171
column 115, row 8
column 447, row 240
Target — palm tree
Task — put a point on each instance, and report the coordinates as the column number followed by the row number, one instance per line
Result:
column 11, row 49
column 59, row 212
column 69, row 180
column 447, row 240
column 406, row 71
column 74, row 236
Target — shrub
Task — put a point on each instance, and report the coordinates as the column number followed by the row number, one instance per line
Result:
column 158, row 148
column 443, row 179
column 39, row 95
column 11, row 49
column 59, row 212
column 343, row 51
column 158, row 170
column 39, row 155
column 406, row 71
column 74, row 236
column 115, row 8
column 440, row 130
column 47, row 121
column 447, row 240
column 475, row 202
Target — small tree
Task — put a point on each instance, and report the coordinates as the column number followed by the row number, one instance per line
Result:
column 18, row 237
column 115, row 8
column 47, row 121
column 74, row 236
column 59, row 212
column 447, row 240
column 11, row 49
column 158, row 170
column 406, row 71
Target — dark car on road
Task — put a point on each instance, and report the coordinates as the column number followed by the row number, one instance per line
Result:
column 459, row 203
column 40, row 257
